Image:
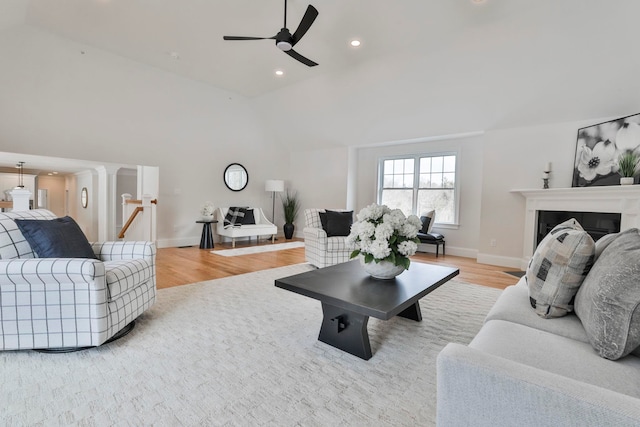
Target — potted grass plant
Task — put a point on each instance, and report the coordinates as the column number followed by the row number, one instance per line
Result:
column 627, row 165
column 290, row 207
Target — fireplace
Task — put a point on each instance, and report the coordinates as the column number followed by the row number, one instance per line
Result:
column 597, row 224
column 616, row 199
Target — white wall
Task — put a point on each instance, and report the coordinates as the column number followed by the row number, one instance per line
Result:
column 87, row 218
column 56, row 194
column 515, row 159
column 320, row 178
column 461, row 240
column 63, row 99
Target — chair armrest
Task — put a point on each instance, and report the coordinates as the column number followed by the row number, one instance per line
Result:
column 114, row 251
column 52, row 273
column 480, row 389
column 314, row 233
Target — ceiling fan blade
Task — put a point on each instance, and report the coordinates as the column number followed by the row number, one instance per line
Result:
column 295, row 55
column 309, row 16
column 247, row 38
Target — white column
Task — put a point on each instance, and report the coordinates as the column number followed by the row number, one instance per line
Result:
column 20, row 197
column 352, row 178
column 107, row 179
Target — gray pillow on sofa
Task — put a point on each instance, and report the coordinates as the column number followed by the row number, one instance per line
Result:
column 558, row 267
column 608, row 303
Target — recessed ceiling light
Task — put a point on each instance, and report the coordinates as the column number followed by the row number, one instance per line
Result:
column 478, row 1
column 174, row 55
column 355, row 43
column 279, row 73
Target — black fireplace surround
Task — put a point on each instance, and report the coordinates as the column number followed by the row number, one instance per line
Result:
column 597, row 224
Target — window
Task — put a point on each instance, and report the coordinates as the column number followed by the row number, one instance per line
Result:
column 420, row 183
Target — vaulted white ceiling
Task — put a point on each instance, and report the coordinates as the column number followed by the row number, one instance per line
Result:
column 425, row 67
column 150, row 30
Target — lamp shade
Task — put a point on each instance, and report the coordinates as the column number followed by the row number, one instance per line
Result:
column 274, row 185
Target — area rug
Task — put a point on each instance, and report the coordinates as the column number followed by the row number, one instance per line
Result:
column 239, row 351
column 259, row 249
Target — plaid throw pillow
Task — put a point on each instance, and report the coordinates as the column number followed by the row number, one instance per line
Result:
column 558, row 268
column 234, row 217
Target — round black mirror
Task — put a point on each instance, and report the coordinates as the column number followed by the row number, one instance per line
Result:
column 236, row 177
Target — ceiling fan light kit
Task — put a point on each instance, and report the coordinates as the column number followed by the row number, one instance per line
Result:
column 285, row 41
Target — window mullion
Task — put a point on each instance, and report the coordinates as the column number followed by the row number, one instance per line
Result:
column 416, row 184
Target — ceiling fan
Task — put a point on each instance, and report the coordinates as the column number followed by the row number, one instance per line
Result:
column 284, row 40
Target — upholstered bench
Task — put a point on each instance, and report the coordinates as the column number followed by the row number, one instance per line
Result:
column 67, row 303
column 254, row 223
column 433, row 239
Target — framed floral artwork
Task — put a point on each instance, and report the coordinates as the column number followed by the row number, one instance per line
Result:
column 599, row 147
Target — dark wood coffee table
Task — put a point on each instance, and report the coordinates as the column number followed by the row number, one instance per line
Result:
column 349, row 296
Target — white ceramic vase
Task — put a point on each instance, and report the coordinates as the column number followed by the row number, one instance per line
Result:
column 626, row 180
column 207, row 217
column 381, row 270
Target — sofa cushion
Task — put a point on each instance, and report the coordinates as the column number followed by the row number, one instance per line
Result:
column 234, row 217
column 608, row 303
column 336, row 223
column 12, row 243
column 513, row 306
column 558, row 267
column 559, row 355
column 56, row 238
column 602, row 244
column 125, row 275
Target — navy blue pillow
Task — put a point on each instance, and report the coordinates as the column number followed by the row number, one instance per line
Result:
column 56, row 238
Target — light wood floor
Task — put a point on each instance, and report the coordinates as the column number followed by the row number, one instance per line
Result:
column 180, row 266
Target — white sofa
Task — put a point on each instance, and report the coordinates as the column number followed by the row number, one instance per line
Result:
column 64, row 303
column 319, row 249
column 524, row 370
column 262, row 226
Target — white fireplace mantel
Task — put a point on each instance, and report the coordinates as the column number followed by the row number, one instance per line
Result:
column 623, row 199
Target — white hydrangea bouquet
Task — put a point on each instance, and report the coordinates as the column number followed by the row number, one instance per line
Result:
column 384, row 234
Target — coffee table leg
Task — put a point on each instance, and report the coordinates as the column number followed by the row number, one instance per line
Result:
column 345, row 330
column 412, row 312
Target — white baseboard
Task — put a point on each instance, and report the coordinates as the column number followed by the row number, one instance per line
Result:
column 501, row 261
column 174, row 243
column 451, row 250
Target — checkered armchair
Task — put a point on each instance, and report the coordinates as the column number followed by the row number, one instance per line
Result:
column 69, row 302
column 320, row 250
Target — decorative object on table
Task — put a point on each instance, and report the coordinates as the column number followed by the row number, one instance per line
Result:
column 627, row 167
column 274, row 186
column 290, row 208
column 236, row 177
column 545, row 175
column 599, row 147
column 207, row 211
column 384, row 236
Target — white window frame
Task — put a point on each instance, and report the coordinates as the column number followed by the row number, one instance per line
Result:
column 416, row 182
